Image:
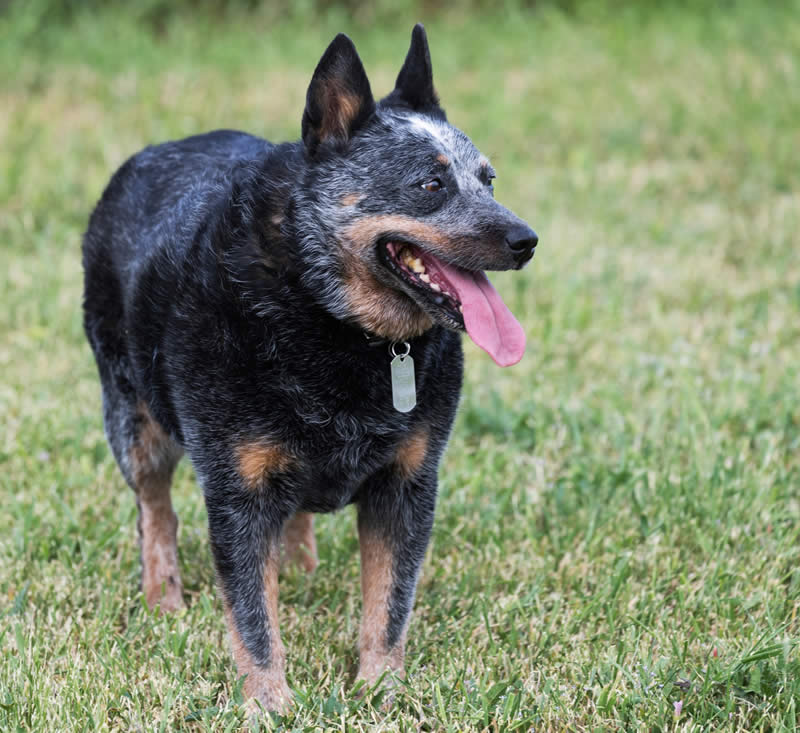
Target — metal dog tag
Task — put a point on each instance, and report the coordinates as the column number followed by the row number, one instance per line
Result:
column 404, row 386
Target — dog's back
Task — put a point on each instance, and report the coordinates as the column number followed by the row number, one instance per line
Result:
column 161, row 193
column 142, row 231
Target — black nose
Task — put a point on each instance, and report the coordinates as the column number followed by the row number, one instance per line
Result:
column 521, row 240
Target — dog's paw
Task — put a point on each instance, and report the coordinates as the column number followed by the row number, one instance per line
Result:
column 379, row 686
column 271, row 696
column 167, row 595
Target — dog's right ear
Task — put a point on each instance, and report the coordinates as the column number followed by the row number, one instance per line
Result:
column 415, row 80
column 339, row 99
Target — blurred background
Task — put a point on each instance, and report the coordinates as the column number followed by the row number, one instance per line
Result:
column 617, row 537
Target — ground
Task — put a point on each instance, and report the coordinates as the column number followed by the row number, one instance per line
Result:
column 616, row 545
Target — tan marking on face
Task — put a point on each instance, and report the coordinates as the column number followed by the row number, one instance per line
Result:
column 265, row 684
column 259, row 459
column 382, row 310
column 443, row 159
column 351, row 199
column 299, row 542
column 412, row 451
column 376, row 588
column 363, row 233
column 152, row 458
column 387, row 313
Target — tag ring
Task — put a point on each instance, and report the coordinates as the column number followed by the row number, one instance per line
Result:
column 393, row 349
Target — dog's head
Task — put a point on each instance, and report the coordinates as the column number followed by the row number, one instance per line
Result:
column 396, row 216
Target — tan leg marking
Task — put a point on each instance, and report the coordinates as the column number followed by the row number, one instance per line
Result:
column 152, row 459
column 259, row 459
column 265, row 684
column 299, row 543
column 161, row 578
column 376, row 587
column 412, row 451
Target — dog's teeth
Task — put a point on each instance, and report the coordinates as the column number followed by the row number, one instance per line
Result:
column 435, row 287
column 461, row 309
column 425, row 278
column 416, row 265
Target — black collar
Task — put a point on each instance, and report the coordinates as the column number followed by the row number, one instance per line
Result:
column 374, row 340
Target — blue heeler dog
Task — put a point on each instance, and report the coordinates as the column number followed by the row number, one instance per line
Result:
column 289, row 315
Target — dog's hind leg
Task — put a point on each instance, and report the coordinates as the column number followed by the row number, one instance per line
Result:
column 147, row 457
column 299, row 543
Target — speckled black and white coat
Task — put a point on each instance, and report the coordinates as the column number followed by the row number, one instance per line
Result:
column 240, row 306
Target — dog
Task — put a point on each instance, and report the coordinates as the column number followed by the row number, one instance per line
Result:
column 289, row 316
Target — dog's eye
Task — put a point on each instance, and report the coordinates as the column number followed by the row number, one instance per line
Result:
column 433, row 185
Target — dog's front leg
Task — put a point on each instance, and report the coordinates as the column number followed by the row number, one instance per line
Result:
column 246, row 518
column 395, row 516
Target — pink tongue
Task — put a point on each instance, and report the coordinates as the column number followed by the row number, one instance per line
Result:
column 489, row 322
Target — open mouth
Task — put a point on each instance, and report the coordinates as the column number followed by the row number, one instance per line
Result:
column 461, row 299
column 425, row 274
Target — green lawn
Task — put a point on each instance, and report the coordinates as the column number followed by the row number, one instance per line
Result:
column 617, row 544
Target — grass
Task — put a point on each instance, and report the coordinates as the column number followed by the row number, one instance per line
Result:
column 616, row 545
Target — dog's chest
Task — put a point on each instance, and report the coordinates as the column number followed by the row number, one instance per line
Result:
column 334, row 411
column 356, row 450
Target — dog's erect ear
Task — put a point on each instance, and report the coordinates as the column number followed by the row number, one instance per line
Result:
column 339, row 99
column 414, row 84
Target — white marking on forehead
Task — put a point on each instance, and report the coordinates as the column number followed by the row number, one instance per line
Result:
column 436, row 130
column 455, row 145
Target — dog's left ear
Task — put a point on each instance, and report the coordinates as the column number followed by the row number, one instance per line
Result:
column 414, row 87
column 339, row 99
